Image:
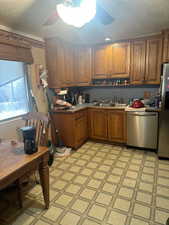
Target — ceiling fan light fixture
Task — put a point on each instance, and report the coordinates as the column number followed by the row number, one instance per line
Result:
column 107, row 39
column 77, row 16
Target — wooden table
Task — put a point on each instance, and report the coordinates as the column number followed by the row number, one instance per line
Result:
column 14, row 164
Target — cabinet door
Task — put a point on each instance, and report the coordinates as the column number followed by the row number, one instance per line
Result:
column 83, row 65
column 61, row 70
column 81, row 130
column 100, row 62
column 166, row 46
column 51, row 60
column 98, row 121
column 116, row 126
column 69, row 65
column 119, row 60
column 64, row 123
column 153, row 60
column 138, row 61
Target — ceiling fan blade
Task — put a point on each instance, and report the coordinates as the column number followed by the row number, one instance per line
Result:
column 104, row 17
column 52, row 19
column 60, row 2
column 74, row 3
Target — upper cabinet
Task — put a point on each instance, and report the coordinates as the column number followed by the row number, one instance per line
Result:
column 119, row 60
column 83, row 67
column 52, row 61
column 146, row 60
column 166, row 46
column 100, row 61
column 138, row 61
column 69, row 65
column 153, row 60
column 60, row 64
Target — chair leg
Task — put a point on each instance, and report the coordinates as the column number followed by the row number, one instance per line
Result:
column 20, row 192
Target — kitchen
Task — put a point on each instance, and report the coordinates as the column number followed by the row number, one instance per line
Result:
column 95, row 89
column 112, row 75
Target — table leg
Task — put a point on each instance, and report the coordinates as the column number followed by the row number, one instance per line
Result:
column 20, row 192
column 44, row 179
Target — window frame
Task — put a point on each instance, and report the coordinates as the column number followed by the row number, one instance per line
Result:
column 28, row 96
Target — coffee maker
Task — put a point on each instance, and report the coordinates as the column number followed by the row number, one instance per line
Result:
column 28, row 135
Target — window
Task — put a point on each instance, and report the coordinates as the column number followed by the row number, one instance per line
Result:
column 13, row 90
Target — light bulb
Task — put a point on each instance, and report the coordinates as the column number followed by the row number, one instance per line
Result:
column 77, row 16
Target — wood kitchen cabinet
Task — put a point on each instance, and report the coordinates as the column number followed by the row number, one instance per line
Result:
column 146, row 59
column 166, row 46
column 98, row 124
column 81, row 128
column 107, row 125
column 54, row 78
column 72, row 127
column 119, row 60
column 117, row 126
column 100, row 61
column 83, row 67
column 138, row 61
column 153, row 60
column 69, row 65
column 60, row 64
column 75, row 65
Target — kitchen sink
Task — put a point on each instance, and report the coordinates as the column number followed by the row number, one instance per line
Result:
column 100, row 104
column 120, row 105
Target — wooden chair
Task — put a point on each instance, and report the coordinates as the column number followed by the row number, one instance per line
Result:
column 41, row 122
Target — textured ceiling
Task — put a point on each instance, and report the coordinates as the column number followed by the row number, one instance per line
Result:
column 132, row 18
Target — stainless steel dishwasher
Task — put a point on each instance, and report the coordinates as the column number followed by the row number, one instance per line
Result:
column 142, row 129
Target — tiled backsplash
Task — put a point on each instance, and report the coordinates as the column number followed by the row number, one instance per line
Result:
column 99, row 93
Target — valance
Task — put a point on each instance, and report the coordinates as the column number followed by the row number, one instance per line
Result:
column 15, row 50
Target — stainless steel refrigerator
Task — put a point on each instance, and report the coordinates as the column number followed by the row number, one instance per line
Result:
column 163, row 141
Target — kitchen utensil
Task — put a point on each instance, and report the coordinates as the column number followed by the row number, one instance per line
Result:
column 137, row 104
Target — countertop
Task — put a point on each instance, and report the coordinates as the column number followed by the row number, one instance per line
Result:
column 92, row 106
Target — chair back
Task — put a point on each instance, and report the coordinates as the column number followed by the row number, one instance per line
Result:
column 41, row 122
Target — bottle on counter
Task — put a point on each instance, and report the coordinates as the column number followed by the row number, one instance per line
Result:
column 125, row 82
column 80, row 99
column 157, row 102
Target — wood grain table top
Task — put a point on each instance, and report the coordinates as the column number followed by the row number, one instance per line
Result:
column 13, row 157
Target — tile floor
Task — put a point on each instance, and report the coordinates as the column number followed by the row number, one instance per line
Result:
column 100, row 184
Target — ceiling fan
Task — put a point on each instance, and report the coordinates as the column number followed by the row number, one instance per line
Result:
column 101, row 14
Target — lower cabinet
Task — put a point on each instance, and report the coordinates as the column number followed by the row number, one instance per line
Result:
column 98, row 124
column 81, row 128
column 107, row 125
column 117, row 126
column 72, row 127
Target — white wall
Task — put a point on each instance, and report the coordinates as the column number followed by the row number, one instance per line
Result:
column 8, row 128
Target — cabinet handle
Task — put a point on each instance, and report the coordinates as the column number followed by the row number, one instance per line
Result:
column 79, row 117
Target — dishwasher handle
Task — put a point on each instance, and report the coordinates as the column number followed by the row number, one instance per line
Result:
column 142, row 113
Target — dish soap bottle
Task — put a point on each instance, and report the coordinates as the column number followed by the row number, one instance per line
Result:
column 80, row 99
